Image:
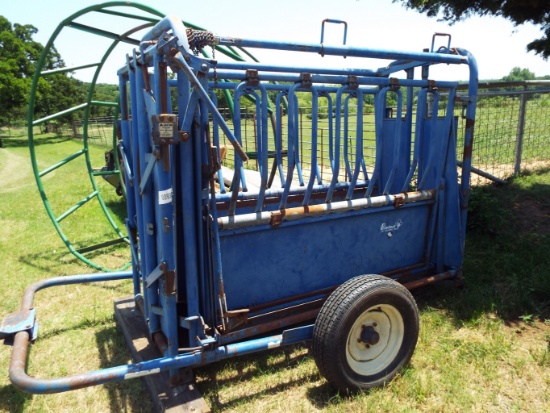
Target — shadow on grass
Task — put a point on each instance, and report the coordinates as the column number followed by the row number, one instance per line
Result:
column 48, row 261
column 507, row 255
column 248, row 368
column 126, row 395
column 13, row 400
column 38, row 140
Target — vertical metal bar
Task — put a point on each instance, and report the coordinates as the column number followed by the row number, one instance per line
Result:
column 336, row 147
column 237, row 126
column 314, row 161
column 164, row 215
column 379, row 109
column 359, row 159
column 520, row 132
column 137, row 219
column 298, row 154
column 418, row 137
column 330, row 130
column 279, row 136
column 189, row 268
column 128, row 179
column 263, row 149
column 293, row 143
column 347, row 137
column 397, row 144
column 216, row 140
column 147, row 198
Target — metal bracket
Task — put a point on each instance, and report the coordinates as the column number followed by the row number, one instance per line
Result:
column 252, row 78
column 17, row 322
column 399, row 201
column 353, row 83
column 150, row 159
column 155, row 274
column 305, row 79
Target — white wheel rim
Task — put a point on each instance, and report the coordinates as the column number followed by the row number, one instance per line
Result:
column 370, row 358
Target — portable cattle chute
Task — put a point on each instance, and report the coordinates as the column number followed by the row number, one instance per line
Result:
column 312, row 225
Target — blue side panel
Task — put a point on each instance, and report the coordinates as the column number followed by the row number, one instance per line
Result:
column 261, row 265
column 436, row 135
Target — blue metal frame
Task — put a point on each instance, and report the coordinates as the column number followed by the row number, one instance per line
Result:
column 214, row 268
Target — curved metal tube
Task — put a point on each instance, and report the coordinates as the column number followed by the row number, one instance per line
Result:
column 19, row 378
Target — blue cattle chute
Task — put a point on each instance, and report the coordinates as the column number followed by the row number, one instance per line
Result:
column 320, row 239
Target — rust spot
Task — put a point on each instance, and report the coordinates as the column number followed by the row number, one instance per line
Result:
column 170, row 282
column 467, row 152
column 398, row 201
column 277, row 218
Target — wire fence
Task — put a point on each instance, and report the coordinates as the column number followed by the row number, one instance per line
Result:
column 512, row 130
column 512, row 133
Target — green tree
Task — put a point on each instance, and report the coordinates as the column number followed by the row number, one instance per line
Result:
column 17, row 57
column 517, row 11
column 518, row 74
column 19, row 54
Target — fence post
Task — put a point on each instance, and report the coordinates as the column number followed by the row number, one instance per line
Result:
column 519, row 135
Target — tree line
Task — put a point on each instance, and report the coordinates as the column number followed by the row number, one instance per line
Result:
column 19, row 55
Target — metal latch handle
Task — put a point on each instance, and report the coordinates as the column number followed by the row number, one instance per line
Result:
column 337, row 22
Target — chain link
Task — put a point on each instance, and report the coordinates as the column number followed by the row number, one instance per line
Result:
column 215, row 64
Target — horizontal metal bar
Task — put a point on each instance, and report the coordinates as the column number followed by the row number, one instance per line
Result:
column 429, row 280
column 103, row 33
column 484, row 174
column 102, row 103
column 63, row 162
column 292, row 214
column 69, row 69
column 293, row 69
column 103, row 173
column 75, row 207
column 336, row 77
column 58, row 114
column 345, row 51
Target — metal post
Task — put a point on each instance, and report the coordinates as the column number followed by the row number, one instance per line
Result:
column 519, row 135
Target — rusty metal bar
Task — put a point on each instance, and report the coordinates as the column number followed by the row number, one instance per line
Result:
column 292, row 214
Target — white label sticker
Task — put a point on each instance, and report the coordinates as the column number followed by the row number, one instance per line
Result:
column 165, row 197
column 391, row 227
column 166, row 130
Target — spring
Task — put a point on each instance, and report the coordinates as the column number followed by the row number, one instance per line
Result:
column 198, row 39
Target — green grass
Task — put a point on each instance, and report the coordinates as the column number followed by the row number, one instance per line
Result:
column 482, row 347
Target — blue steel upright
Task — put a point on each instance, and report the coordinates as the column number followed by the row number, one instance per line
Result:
column 229, row 257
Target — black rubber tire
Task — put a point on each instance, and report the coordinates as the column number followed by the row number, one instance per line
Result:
column 340, row 355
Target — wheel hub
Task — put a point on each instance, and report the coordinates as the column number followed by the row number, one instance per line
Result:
column 369, row 335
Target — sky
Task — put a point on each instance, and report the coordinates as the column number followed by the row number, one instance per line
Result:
column 496, row 44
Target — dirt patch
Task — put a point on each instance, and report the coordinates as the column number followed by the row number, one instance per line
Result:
column 531, row 216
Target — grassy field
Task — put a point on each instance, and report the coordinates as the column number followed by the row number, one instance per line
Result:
column 484, row 347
